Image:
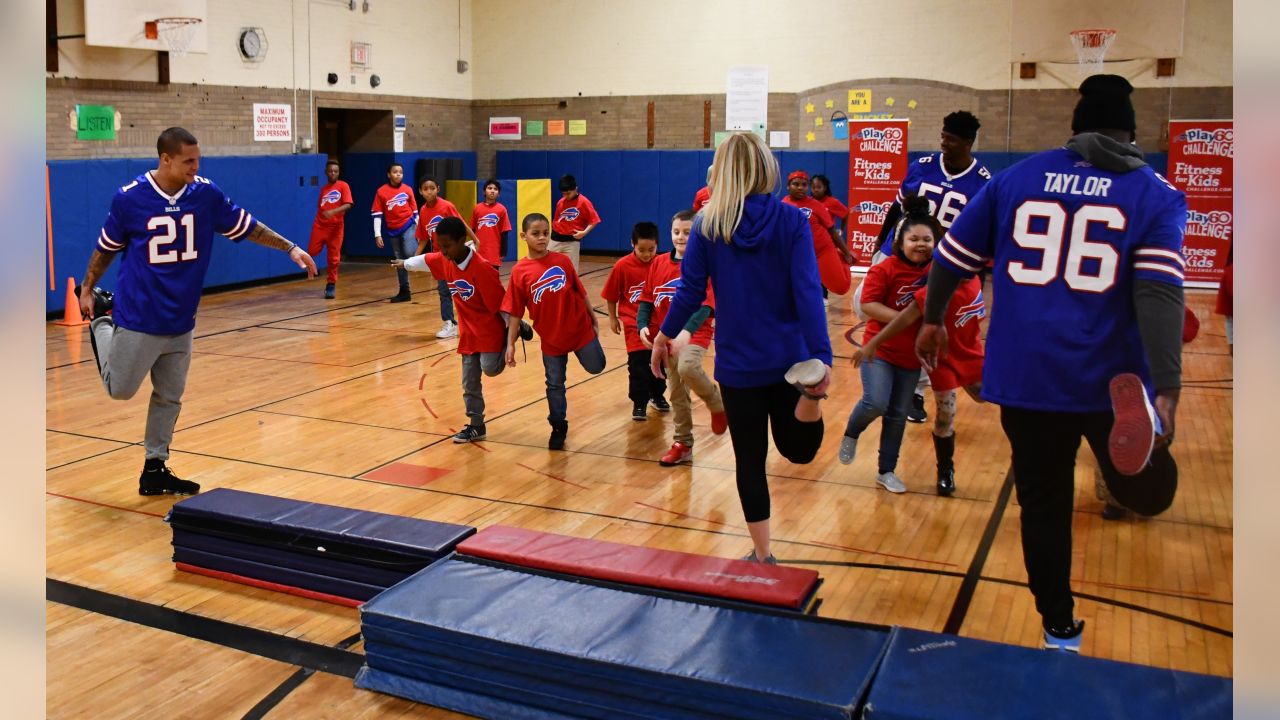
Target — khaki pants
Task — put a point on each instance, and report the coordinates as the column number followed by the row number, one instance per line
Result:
column 685, row 373
column 566, row 248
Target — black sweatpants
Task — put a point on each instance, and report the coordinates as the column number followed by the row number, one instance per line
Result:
column 643, row 386
column 1044, row 459
column 752, row 413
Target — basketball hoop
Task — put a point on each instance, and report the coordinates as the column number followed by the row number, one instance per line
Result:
column 1091, row 48
column 175, row 33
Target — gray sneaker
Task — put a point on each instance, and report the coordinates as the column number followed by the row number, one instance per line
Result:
column 771, row 560
column 891, row 482
column 848, row 448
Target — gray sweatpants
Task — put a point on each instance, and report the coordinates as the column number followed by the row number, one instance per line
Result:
column 126, row 356
column 491, row 364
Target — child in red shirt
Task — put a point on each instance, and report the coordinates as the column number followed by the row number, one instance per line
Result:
column 329, row 225
column 889, row 378
column 623, row 290
column 575, row 217
column 482, row 325
column 395, row 206
column 546, row 284
column 490, row 224
column 834, row 257
column 434, row 209
column 684, row 367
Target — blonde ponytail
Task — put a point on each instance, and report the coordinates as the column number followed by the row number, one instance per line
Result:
column 743, row 166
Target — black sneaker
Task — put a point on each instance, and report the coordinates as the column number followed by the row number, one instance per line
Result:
column 1064, row 639
column 660, row 404
column 470, row 433
column 917, row 413
column 157, row 479
column 103, row 301
column 526, row 331
column 402, row 296
column 558, row 435
column 640, row 412
column 1114, row 512
column 329, row 291
column 946, row 482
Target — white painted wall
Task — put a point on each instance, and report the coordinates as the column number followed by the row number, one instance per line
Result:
column 415, row 47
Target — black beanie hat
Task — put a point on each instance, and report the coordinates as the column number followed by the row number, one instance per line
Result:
column 961, row 124
column 1104, row 105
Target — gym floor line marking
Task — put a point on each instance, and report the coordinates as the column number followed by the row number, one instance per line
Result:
column 848, row 548
column 344, row 422
column 428, row 407
column 553, row 477
column 294, row 681
column 102, row 504
column 687, row 516
column 969, row 585
column 437, row 362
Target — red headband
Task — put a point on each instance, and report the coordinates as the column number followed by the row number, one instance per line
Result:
column 797, row 174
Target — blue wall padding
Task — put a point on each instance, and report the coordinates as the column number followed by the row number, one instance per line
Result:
column 276, row 189
column 927, row 675
column 640, row 178
column 602, row 172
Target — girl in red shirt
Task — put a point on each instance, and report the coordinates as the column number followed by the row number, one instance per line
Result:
column 889, row 378
column 834, row 257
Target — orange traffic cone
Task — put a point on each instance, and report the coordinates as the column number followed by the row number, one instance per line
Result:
column 71, row 313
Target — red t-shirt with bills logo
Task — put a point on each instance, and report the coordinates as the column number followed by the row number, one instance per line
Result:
column 661, row 286
column 550, row 290
column 395, row 205
column 574, row 215
column 332, row 195
column 477, row 299
column 819, row 219
column 490, row 224
column 700, row 199
column 429, row 216
column 625, row 286
column 893, row 283
column 962, row 363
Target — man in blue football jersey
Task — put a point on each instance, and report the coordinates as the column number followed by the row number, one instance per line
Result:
column 162, row 224
column 1086, row 242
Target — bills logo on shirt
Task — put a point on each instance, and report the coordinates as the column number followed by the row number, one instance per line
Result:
column 432, row 223
column 973, row 311
column 331, row 198
column 400, row 198
column 553, row 280
column 633, row 292
column 666, row 291
column 461, row 289
column 489, row 220
column 569, row 214
column 806, row 212
column 907, row 292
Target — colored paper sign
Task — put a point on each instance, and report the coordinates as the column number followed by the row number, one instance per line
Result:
column 721, row 136
column 555, row 127
column 840, row 127
column 272, row 122
column 877, row 166
column 859, row 101
column 504, row 128
column 1201, row 164
column 577, row 127
column 533, row 128
column 95, row 122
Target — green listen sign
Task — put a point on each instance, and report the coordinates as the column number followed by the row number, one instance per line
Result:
column 95, row 122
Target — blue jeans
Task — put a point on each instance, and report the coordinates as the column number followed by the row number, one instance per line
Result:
column 886, row 391
column 403, row 246
column 446, row 301
column 591, row 356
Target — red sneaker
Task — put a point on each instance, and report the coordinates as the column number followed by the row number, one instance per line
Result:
column 679, row 453
column 1133, row 434
column 719, row 422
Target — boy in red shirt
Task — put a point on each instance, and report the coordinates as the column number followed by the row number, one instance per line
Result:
column 684, row 368
column 329, row 225
column 483, row 326
column 623, row 291
column 834, row 257
column 546, row 284
column 490, row 224
column 434, row 209
column 575, row 217
column 395, row 206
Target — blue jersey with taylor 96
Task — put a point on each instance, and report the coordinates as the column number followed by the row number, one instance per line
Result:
column 1068, row 241
column 166, row 242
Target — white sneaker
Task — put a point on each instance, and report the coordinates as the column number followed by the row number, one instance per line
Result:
column 807, row 373
column 848, row 448
column 449, row 330
column 891, row 482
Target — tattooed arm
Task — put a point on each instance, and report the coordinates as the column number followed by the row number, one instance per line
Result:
column 98, row 263
column 267, row 237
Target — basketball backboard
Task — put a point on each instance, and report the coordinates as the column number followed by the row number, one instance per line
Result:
column 122, row 23
column 1144, row 28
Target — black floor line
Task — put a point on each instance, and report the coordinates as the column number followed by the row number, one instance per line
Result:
column 960, row 607
column 333, row 660
column 293, row 682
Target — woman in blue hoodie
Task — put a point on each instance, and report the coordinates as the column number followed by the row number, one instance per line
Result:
column 773, row 352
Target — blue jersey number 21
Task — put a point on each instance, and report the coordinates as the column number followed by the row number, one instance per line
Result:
column 158, row 250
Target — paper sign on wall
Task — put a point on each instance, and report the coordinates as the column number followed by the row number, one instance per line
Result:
column 577, row 127
column 400, row 125
column 746, row 98
column 779, row 139
column 504, row 128
column 272, row 122
column 555, row 127
column 859, row 101
column 533, row 128
column 95, row 122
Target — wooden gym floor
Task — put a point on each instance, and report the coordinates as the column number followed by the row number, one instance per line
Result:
column 351, row 402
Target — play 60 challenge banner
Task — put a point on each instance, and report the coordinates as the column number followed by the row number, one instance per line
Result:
column 877, row 166
column 1201, row 156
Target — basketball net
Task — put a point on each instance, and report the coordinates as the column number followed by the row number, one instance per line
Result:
column 176, row 33
column 1091, row 49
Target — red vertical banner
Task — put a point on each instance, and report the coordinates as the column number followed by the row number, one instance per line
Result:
column 877, row 166
column 1201, row 164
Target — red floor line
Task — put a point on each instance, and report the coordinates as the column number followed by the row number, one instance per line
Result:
column 1139, row 588
column 428, row 407
column 553, row 477
column 883, row 554
column 105, row 505
column 422, row 380
column 437, row 362
column 680, row 514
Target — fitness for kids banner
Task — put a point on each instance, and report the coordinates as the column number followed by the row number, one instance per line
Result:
column 1201, row 159
column 877, row 166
